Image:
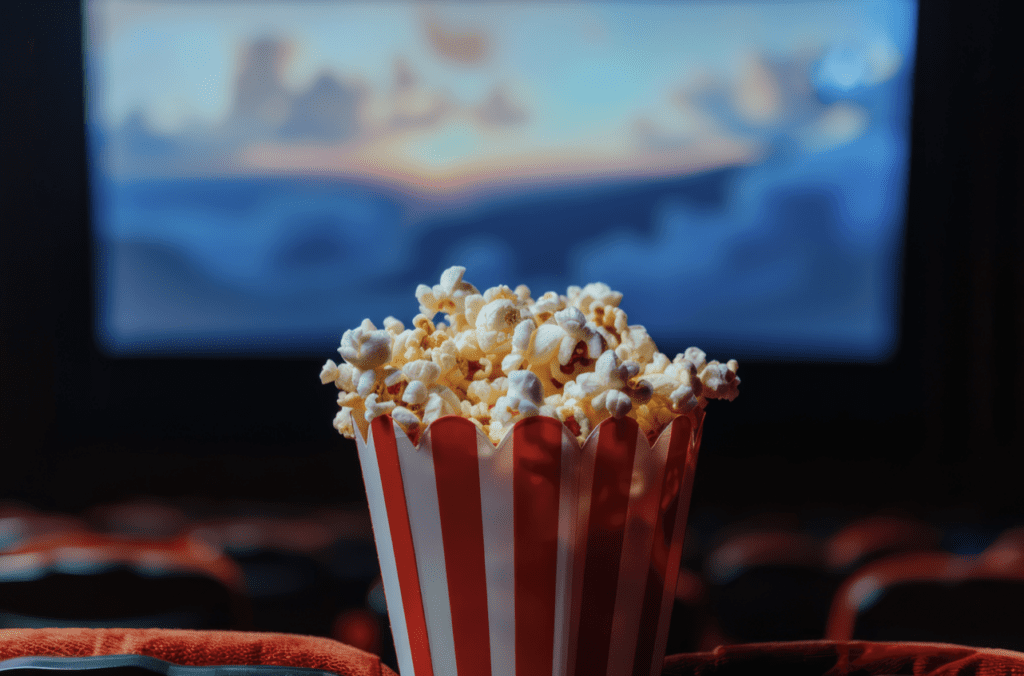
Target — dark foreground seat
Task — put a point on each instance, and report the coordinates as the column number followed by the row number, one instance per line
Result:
column 82, row 579
column 846, row 658
column 769, row 586
column 82, row 651
column 931, row 597
column 300, row 571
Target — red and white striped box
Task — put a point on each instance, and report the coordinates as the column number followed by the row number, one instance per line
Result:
column 536, row 557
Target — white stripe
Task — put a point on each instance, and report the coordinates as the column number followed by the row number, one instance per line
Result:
column 568, row 534
column 586, row 485
column 385, row 550
column 425, row 521
column 674, row 556
column 496, row 503
column 641, row 519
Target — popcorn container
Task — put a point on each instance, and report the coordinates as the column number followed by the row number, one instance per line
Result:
column 536, row 557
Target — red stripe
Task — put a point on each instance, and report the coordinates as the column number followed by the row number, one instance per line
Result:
column 537, row 459
column 457, row 470
column 675, row 487
column 699, row 430
column 613, row 474
column 401, row 538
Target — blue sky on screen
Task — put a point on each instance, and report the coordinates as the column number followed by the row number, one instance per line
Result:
column 748, row 158
column 175, row 62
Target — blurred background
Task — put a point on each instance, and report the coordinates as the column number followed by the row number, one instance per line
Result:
column 199, row 198
column 267, row 174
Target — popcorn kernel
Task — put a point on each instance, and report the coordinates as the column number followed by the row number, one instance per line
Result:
column 504, row 356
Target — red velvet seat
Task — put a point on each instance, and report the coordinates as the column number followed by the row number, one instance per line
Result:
column 932, row 597
column 360, row 628
column 376, row 603
column 1005, row 556
column 90, row 579
column 19, row 522
column 149, row 518
column 846, row 658
column 194, row 648
column 865, row 540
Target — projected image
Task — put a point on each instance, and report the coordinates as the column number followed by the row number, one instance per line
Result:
column 266, row 175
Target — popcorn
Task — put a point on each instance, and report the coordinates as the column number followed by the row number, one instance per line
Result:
column 448, row 296
column 393, row 326
column 343, row 422
column 573, row 416
column 525, row 387
column 597, row 293
column 616, row 403
column 438, row 405
column 720, row 381
column 416, row 393
column 329, row 373
column 423, row 371
column 504, row 356
column 366, row 347
column 346, row 379
column 375, row 408
column 495, row 323
column 683, row 400
column 611, row 324
column 577, row 330
column 351, row 406
column 487, row 392
column 547, row 305
column 405, row 418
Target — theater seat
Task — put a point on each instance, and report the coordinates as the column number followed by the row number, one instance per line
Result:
column 1005, row 556
column 88, row 579
column 194, row 648
column 690, row 627
column 874, row 537
column 845, row 658
column 769, row 586
column 360, row 628
column 931, row 597
column 147, row 518
column 19, row 522
column 299, row 571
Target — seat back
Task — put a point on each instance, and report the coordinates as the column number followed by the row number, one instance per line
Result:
column 936, row 596
column 232, row 653
column 874, row 537
column 137, row 665
column 299, row 571
column 769, row 586
column 82, row 579
column 845, row 658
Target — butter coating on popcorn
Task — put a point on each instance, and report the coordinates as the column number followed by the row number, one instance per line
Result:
column 502, row 355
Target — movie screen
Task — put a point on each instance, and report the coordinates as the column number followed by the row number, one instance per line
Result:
column 265, row 175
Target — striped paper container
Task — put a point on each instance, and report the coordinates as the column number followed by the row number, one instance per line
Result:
column 536, row 557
